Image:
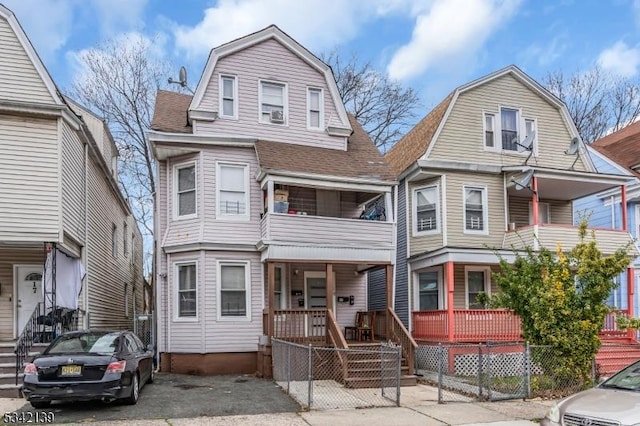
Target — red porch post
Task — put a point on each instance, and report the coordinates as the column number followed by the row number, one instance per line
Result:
column 330, row 288
column 631, row 278
column 271, row 295
column 534, row 201
column 449, row 280
column 389, row 277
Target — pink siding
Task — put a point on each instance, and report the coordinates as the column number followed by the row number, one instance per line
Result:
column 270, row 60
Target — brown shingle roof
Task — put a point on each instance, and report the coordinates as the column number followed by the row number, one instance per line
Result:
column 170, row 114
column 361, row 160
column 622, row 146
column 415, row 143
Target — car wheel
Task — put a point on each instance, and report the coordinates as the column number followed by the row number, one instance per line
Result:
column 151, row 375
column 40, row 404
column 135, row 390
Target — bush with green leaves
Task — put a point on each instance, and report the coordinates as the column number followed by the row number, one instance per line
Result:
column 561, row 298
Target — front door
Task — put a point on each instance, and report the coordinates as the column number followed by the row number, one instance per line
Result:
column 315, row 298
column 28, row 293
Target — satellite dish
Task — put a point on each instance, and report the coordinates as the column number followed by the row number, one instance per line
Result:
column 528, row 141
column 574, row 146
column 524, row 181
column 182, row 79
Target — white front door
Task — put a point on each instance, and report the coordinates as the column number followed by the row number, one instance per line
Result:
column 28, row 293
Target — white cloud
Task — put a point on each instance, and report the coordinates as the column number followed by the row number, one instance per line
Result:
column 620, row 59
column 449, row 30
column 119, row 15
column 317, row 24
column 545, row 54
column 48, row 23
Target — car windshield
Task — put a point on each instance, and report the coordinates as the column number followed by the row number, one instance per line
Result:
column 91, row 343
column 628, row 379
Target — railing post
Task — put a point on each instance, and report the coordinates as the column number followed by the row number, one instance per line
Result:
column 288, row 369
column 398, row 375
column 527, row 366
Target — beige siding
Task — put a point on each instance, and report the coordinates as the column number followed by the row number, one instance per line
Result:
column 424, row 243
column 463, row 129
column 494, row 184
column 519, row 210
column 72, row 184
column 29, row 180
column 8, row 258
column 19, row 80
column 270, row 61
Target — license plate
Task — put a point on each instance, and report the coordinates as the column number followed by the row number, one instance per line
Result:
column 71, row 370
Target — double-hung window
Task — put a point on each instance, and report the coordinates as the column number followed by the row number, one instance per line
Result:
column 185, row 184
column 315, row 109
column 426, row 209
column 428, row 291
column 508, row 130
column 187, row 294
column 228, row 96
column 125, row 236
column 489, row 130
column 477, row 280
column 233, row 289
column 273, row 98
column 475, row 210
column 233, row 190
column 509, row 119
column 114, row 240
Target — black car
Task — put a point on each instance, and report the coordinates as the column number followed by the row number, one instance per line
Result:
column 88, row 365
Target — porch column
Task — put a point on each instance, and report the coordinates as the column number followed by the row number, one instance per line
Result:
column 330, row 288
column 390, row 302
column 448, row 276
column 623, row 206
column 271, row 296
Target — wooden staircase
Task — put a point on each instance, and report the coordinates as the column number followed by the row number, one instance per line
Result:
column 8, row 386
column 366, row 368
column 615, row 354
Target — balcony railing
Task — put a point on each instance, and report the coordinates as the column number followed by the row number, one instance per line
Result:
column 610, row 329
column 300, row 325
column 470, row 325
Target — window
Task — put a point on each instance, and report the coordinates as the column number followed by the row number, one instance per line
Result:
column 186, row 291
column 477, row 280
column 133, row 247
column 509, row 125
column 489, row 130
column 126, row 300
column 228, row 97
column 186, row 190
column 272, row 102
column 280, row 291
column 475, row 210
column 426, row 209
column 428, row 291
column 530, row 128
column 315, row 104
column 544, row 213
column 114, row 240
column 233, row 191
column 233, row 293
column 125, row 236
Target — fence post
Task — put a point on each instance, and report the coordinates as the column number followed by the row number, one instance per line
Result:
column 480, row 364
column 527, row 368
column 399, row 374
column 288, row 367
column 489, row 371
column 310, row 376
column 382, row 369
column 440, row 373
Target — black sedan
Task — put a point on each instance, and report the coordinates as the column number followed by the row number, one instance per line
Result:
column 88, row 365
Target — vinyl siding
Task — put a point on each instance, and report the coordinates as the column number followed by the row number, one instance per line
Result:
column 8, row 258
column 424, row 243
column 561, row 212
column 456, row 237
column 401, row 305
column 377, row 290
column 20, row 80
column 72, row 184
column 271, row 61
column 29, row 180
column 462, row 137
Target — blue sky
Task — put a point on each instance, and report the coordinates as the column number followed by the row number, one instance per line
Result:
column 430, row 45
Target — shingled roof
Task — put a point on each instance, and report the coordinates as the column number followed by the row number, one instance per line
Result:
column 170, row 114
column 622, row 146
column 361, row 160
column 415, row 143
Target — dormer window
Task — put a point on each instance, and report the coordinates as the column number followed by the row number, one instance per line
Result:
column 228, row 97
column 273, row 103
column 315, row 106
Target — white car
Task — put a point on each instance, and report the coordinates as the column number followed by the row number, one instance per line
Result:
column 615, row 402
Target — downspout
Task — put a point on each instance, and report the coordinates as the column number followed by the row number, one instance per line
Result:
column 85, row 280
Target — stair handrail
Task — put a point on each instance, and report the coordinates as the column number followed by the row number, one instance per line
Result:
column 26, row 339
column 399, row 335
column 336, row 339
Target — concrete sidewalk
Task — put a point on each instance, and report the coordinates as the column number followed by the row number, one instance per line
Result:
column 419, row 407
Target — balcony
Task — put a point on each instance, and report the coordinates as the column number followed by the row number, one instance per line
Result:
column 470, row 325
column 549, row 235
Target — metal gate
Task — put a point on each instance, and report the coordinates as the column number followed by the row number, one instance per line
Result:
column 143, row 328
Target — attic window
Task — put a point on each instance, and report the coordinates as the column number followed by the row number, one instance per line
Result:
column 228, row 97
column 315, row 109
column 273, row 103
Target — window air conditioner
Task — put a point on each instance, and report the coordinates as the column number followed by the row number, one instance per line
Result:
column 277, row 116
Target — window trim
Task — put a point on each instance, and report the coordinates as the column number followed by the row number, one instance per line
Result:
column 176, row 291
column 485, row 210
column 540, row 204
column 495, row 131
column 285, row 102
column 235, row 96
column 125, row 239
column 487, row 281
column 114, row 240
column 176, row 207
column 320, row 92
column 414, row 208
column 535, row 129
column 247, row 286
column 442, row 301
column 247, row 196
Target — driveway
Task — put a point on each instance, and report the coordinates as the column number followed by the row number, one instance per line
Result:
column 180, row 396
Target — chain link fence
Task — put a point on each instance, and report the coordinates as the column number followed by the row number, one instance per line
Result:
column 331, row 378
column 143, row 328
column 494, row 371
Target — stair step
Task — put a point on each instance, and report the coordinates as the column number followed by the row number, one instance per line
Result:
column 7, row 367
column 7, row 347
column 10, row 391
